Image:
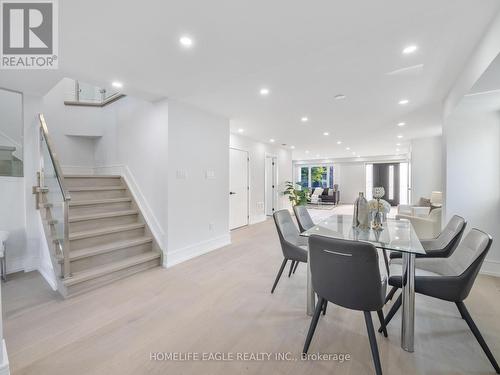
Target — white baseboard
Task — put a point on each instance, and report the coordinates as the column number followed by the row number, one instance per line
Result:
column 4, row 365
column 139, row 198
column 257, row 219
column 177, row 256
column 491, row 268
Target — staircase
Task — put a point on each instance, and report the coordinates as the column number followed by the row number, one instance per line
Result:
column 108, row 236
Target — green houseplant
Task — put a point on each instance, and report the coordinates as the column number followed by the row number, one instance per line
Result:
column 297, row 195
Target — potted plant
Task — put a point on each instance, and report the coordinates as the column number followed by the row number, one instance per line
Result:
column 296, row 194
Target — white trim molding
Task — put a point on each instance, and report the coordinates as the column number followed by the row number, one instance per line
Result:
column 491, row 268
column 177, row 256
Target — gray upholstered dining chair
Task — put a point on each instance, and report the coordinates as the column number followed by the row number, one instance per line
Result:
column 445, row 243
column 442, row 246
column 293, row 246
column 303, row 218
column 450, row 279
column 347, row 274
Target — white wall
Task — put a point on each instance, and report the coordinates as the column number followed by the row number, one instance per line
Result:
column 473, row 174
column 257, row 152
column 426, row 167
column 74, row 129
column 11, row 121
column 198, row 207
column 351, row 180
column 134, row 144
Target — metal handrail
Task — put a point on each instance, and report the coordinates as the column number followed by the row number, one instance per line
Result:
column 64, row 247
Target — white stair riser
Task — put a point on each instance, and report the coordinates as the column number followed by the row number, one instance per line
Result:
column 99, row 208
column 98, row 194
column 71, row 182
column 110, row 277
column 110, row 257
column 77, row 244
column 80, row 226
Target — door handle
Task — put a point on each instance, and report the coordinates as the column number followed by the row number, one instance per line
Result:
column 232, row 193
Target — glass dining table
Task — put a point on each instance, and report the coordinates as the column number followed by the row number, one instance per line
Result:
column 396, row 235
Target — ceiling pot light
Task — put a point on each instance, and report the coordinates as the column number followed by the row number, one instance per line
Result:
column 271, row 140
column 241, row 130
column 340, row 97
column 400, row 136
column 397, row 150
column 347, row 148
column 404, row 101
column 264, row 91
column 304, row 119
column 326, row 133
column 292, row 147
column 398, row 144
column 116, row 84
column 307, row 151
column 353, row 153
column 339, row 142
column 401, row 124
column 410, row 49
column 186, row 41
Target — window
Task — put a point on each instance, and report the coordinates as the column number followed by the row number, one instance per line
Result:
column 304, row 177
column 391, row 182
column 403, row 183
column 319, row 177
column 312, row 176
column 369, row 181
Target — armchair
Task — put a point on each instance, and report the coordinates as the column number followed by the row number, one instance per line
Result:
column 426, row 227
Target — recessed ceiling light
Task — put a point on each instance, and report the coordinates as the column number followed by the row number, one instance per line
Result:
column 292, row 147
column 326, row 133
column 400, row 136
column 404, row 101
column 186, row 41
column 398, row 144
column 347, row 148
column 241, row 130
column 353, row 153
column 340, row 96
column 397, row 150
column 264, row 91
column 307, row 151
column 304, row 119
column 401, row 124
column 410, row 49
column 339, row 142
column 271, row 140
column 117, row 84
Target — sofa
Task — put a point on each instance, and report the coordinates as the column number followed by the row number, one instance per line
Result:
column 327, row 195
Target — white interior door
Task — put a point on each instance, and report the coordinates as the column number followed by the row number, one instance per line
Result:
column 271, row 182
column 238, row 188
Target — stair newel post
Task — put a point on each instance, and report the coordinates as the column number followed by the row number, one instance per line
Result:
column 66, row 268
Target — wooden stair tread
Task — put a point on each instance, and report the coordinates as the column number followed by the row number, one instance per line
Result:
column 93, row 273
column 98, row 201
column 102, row 215
column 103, row 231
column 101, row 249
column 92, row 176
column 96, row 188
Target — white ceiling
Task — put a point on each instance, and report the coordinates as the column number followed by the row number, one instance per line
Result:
column 304, row 52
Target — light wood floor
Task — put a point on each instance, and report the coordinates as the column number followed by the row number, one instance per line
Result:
column 221, row 302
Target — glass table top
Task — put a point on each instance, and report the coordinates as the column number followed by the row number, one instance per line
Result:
column 397, row 235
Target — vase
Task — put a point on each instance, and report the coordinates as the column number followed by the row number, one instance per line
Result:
column 360, row 217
